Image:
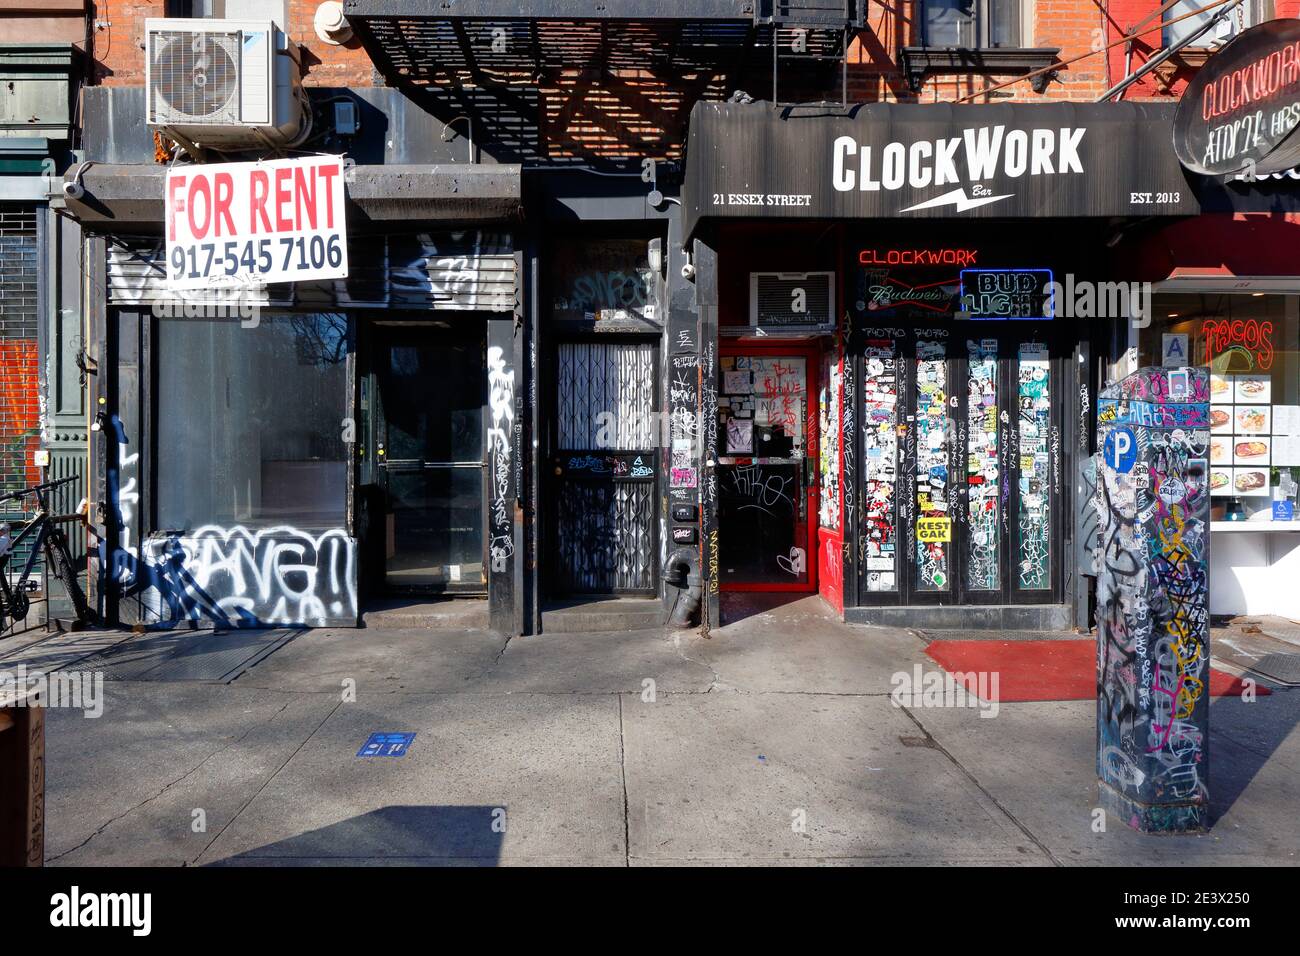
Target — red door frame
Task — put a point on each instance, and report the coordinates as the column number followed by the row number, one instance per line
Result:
column 810, row 352
column 830, row 541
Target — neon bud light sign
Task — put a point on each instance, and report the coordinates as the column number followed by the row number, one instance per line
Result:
column 1007, row 293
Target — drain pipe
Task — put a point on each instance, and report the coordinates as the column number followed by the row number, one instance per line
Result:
column 682, row 571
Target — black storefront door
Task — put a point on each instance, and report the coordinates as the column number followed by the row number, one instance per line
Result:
column 961, row 467
column 430, row 394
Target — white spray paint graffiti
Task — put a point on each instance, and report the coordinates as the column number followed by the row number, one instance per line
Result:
column 247, row 577
column 501, row 402
column 128, row 496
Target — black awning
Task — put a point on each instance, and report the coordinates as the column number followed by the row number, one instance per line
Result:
column 129, row 198
column 903, row 161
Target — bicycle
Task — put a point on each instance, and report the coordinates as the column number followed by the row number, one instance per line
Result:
column 50, row 540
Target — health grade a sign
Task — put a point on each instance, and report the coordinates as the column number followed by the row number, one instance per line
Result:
column 241, row 224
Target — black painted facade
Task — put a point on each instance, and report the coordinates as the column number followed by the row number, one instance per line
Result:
column 604, row 307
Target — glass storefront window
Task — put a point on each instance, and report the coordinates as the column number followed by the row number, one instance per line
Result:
column 1250, row 343
column 1034, row 453
column 250, row 422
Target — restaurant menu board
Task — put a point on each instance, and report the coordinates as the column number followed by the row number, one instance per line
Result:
column 1286, row 435
column 1248, row 435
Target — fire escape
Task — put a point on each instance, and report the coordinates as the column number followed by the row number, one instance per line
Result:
column 559, row 80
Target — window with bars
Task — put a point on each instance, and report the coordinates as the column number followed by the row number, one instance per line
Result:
column 972, row 24
column 205, row 9
column 19, row 378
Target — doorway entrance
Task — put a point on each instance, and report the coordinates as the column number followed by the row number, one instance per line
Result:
column 605, row 470
column 430, row 392
column 767, row 466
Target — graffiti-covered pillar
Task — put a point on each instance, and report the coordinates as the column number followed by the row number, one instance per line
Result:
column 706, row 297
column 682, row 463
column 1153, row 628
column 504, row 471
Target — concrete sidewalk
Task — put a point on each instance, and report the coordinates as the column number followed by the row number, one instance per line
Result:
column 773, row 742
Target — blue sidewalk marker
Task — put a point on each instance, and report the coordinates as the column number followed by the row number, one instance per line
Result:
column 386, row 745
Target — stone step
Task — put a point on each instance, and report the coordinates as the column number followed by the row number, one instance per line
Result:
column 446, row 613
column 602, row 614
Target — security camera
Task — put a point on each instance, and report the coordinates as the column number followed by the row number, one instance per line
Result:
column 688, row 271
column 73, row 189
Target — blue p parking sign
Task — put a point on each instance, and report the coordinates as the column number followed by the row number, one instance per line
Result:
column 1120, row 450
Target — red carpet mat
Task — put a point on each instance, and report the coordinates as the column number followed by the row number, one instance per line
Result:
column 1045, row 670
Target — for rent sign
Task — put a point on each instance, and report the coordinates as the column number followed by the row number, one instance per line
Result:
column 235, row 224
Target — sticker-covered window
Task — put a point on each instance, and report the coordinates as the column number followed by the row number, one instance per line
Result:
column 983, row 481
column 933, row 528
column 1035, row 466
column 880, row 465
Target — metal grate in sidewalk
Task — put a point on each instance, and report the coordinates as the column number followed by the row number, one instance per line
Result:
column 1283, row 668
column 217, row 657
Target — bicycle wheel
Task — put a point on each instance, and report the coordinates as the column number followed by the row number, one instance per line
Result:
column 61, row 564
column 7, row 619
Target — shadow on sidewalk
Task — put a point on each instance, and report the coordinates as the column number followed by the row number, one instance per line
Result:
column 1256, row 732
column 738, row 605
column 468, row 834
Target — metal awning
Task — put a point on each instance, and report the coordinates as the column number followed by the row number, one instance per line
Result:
column 527, row 42
column 130, row 197
column 900, row 161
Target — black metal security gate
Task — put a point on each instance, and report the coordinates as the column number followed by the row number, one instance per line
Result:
column 605, row 468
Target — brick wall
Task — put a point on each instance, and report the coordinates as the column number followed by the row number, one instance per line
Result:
column 1073, row 26
column 119, row 46
column 1166, row 84
column 119, row 40
column 636, row 114
column 326, row 64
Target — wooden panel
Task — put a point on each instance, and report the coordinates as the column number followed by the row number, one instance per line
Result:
column 44, row 6
column 22, row 798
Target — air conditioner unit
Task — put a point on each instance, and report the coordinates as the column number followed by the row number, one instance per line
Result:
column 1239, row 19
column 223, row 84
column 792, row 300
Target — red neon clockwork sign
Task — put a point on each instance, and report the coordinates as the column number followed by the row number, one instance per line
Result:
column 1249, row 335
column 918, row 257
